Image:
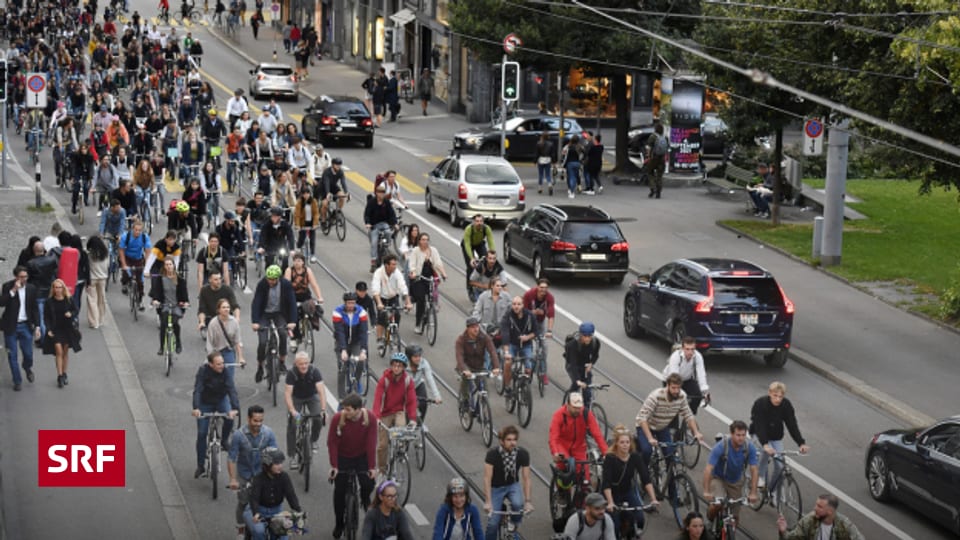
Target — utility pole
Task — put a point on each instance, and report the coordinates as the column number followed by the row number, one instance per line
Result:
column 838, row 142
column 3, row 119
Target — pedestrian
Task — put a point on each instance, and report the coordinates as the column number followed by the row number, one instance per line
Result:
column 392, row 96
column 83, row 270
column 544, row 163
column 20, row 322
column 301, row 57
column 657, row 148
column 294, row 36
column 242, row 7
column 368, row 85
column 287, row 28
column 61, row 335
column 34, row 244
column 43, row 270
column 425, row 88
column 96, row 288
column 570, row 161
column 594, row 164
column 823, row 522
column 380, row 96
column 255, row 21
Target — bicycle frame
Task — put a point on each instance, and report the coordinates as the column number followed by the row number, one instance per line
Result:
column 725, row 524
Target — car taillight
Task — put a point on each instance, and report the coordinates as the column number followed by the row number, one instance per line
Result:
column 293, row 78
column 523, row 194
column 787, row 304
column 620, row 246
column 462, row 192
column 560, row 245
column 706, row 305
column 366, row 122
column 328, row 120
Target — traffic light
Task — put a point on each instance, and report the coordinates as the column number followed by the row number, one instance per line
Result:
column 510, row 89
column 388, row 40
column 3, row 81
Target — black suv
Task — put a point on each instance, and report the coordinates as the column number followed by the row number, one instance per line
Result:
column 568, row 240
column 337, row 118
column 729, row 306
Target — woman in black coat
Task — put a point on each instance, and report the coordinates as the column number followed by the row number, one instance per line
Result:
column 59, row 314
column 169, row 293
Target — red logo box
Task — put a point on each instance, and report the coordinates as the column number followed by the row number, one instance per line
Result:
column 81, row 458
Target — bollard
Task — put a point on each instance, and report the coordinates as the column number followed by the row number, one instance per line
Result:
column 817, row 236
column 38, row 184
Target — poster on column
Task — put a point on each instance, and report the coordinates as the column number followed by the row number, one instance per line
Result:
column 686, row 114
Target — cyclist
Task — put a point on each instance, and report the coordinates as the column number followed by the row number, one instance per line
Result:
column 569, row 428
column 224, row 336
column 657, row 413
column 330, row 185
column 351, row 446
column 824, row 522
column 386, row 520
column 394, row 403
column 477, row 241
column 379, row 219
column 144, row 183
column 457, row 517
column 724, row 473
column 297, row 156
column 113, row 223
column 134, row 246
column 767, row 417
column 423, row 382
column 196, row 199
column 319, row 162
column 518, row 329
column 540, row 301
column 423, row 261
column 84, row 168
column 304, row 387
column 688, row 362
column 212, row 187
column 273, row 301
column 389, row 182
column 236, row 106
column 582, row 351
column 490, row 308
column 306, row 217
column 213, row 391
column 484, row 273
column 350, row 324
column 304, row 283
column 275, row 235
column 471, row 350
column 169, row 293
column 365, row 300
column 107, row 180
column 268, row 489
column 243, row 458
column 212, row 259
column 213, row 130
column 592, row 522
column 389, row 288
column 621, row 469
column 506, row 475
column 168, row 248
column 127, row 197
column 237, row 152
column 232, row 237
column 258, row 214
column 208, row 301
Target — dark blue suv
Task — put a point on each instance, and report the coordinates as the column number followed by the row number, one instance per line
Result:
column 729, row 306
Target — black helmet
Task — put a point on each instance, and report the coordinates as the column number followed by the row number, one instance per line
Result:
column 414, row 350
column 272, row 456
column 336, row 161
column 349, row 295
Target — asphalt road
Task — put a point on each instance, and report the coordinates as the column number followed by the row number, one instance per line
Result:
column 899, row 353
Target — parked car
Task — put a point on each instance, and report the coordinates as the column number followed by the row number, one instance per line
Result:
column 466, row 185
column 568, row 240
column 729, row 306
column 522, row 134
column 337, row 118
column 274, row 80
column 637, row 137
column 919, row 467
column 713, row 136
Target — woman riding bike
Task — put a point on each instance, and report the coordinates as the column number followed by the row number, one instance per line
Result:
column 621, row 466
column 304, row 283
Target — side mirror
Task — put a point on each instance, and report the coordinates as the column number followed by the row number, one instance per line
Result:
column 252, row 71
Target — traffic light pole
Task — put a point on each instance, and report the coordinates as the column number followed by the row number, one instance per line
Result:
column 3, row 121
column 503, row 110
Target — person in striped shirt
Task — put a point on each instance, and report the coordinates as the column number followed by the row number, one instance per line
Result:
column 658, row 411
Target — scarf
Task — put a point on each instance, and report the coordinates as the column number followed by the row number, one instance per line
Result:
column 509, row 464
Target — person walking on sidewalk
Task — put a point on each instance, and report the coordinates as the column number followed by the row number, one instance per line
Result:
column 380, row 96
column 287, row 29
column 20, row 322
column 425, row 88
column 61, row 333
column 591, row 170
column 255, row 21
column 570, row 161
column 96, row 289
column 658, row 146
column 544, row 164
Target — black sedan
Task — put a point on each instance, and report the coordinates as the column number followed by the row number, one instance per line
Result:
column 919, row 467
column 338, row 118
column 522, row 134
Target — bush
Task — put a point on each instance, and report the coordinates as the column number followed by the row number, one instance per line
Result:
column 950, row 299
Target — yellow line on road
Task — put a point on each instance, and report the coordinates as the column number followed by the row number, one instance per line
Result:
column 409, row 185
column 229, row 91
column 359, row 180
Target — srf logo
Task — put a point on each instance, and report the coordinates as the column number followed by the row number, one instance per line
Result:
column 81, row 458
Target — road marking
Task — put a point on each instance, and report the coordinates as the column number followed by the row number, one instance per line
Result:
column 410, row 150
column 724, row 419
column 216, row 82
column 409, row 185
column 359, row 180
column 416, row 515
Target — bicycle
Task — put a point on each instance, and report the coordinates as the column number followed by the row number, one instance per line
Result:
column 725, row 524
column 621, row 516
column 391, row 336
column 540, row 364
column 273, row 360
column 305, row 326
column 214, row 446
column 136, row 293
column 782, row 492
column 113, row 266
column 79, row 192
column 689, row 452
column 507, row 529
column 144, row 210
column 420, row 444
column 238, row 271
column 383, row 243
column 336, row 218
column 191, row 14
column 351, row 505
column 477, row 404
column 169, row 344
column 430, row 309
column 671, row 482
column 398, row 467
column 285, row 524
column 564, row 502
column 304, row 448
column 348, row 380
column 520, row 396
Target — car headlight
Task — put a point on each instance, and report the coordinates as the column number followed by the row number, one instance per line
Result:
column 472, row 140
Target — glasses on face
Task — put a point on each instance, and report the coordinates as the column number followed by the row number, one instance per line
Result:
column 22, row 276
column 388, row 495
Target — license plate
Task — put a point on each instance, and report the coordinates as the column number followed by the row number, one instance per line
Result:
column 593, row 257
column 348, row 124
column 494, row 200
column 456, row 144
column 748, row 319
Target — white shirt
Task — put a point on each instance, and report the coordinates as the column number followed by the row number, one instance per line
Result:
column 318, row 164
column 298, row 156
column 22, row 314
column 688, row 369
column 236, row 106
column 387, row 287
column 268, row 123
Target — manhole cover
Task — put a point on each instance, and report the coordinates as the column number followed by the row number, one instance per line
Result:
column 693, row 236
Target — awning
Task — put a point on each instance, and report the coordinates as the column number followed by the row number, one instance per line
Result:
column 403, row 16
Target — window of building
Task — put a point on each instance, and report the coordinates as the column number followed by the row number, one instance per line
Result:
column 380, row 37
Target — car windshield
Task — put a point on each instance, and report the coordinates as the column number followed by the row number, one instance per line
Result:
column 491, row 173
column 277, row 71
column 746, row 292
column 346, row 108
column 583, row 232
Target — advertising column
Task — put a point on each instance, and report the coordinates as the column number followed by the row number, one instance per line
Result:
column 686, row 107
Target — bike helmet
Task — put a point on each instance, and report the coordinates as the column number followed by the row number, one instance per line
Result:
column 347, row 296
column 274, row 272
column 272, row 456
column 414, row 350
column 565, row 478
column 336, row 161
column 456, row 485
column 182, row 207
column 399, row 357
column 212, row 112
column 587, row 329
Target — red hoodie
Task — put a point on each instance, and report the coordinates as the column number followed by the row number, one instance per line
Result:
column 394, row 395
column 568, row 434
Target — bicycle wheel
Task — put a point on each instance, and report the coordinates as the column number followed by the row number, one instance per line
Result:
column 683, row 498
column 558, row 506
column 240, row 274
column 274, row 377
column 486, row 422
column 420, row 448
column 395, row 345
column 690, row 450
column 789, row 501
column 657, row 474
column 466, row 415
column 762, row 493
column 80, row 206
column 498, row 381
column 510, row 400
column 601, row 415
column 306, row 455
column 306, row 336
column 541, row 372
column 431, row 322
column 340, row 223
column 168, row 354
column 382, row 346
column 351, row 515
column 214, row 469
column 525, row 404
column 400, row 473
column 134, row 301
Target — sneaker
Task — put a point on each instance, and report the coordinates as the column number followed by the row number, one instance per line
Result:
column 199, row 472
column 160, row 351
column 294, row 462
column 569, row 194
column 259, row 376
column 765, row 215
column 418, row 329
column 546, row 380
column 761, row 483
column 179, row 348
column 600, row 189
column 315, row 446
column 550, row 190
column 123, row 290
column 140, row 307
column 241, row 532
column 313, row 259
column 16, row 387
column 651, row 194
column 539, row 192
column 99, row 213
column 282, row 369
column 29, row 374
column 589, row 192
column 337, row 532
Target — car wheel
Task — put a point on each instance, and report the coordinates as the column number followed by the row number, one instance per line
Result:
column 368, row 142
column 490, row 149
column 538, row 267
column 878, row 477
column 507, row 251
column 777, row 358
column 678, row 333
column 428, row 203
column 454, row 218
column 631, row 316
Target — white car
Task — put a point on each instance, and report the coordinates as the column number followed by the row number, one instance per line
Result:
column 470, row 184
column 274, row 80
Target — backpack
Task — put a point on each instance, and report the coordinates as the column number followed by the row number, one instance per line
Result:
column 661, row 147
column 721, row 467
column 583, row 523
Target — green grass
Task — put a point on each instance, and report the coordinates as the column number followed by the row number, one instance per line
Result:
column 908, row 237
column 46, row 208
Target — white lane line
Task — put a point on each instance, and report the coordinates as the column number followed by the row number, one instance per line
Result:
column 724, row 419
column 406, row 148
column 416, row 515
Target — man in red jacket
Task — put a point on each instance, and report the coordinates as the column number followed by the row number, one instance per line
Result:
column 568, row 433
column 394, row 401
column 351, row 444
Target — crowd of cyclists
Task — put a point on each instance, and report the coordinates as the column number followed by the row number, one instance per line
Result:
column 129, row 112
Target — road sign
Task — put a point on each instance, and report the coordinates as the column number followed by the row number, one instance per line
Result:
column 37, row 90
column 511, row 42
column 813, row 137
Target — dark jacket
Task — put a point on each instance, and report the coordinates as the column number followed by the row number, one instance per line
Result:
column 767, row 421
column 210, row 387
column 11, row 303
column 156, row 291
column 266, row 491
column 288, row 301
column 42, row 271
column 377, row 213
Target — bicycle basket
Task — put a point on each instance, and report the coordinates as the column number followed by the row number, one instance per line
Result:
column 284, row 523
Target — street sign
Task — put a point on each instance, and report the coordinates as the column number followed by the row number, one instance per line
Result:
column 37, row 90
column 511, row 42
column 813, row 137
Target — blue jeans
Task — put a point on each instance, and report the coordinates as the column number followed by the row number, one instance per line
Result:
column 524, row 351
column 375, row 232
column 497, row 495
column 258, row 530
column 204, row 423
column 765, row 460
column 632, row 499
column 573, row 174
column 544, row 172
column 24, row 338
column 143, row 194
column 229, row 357
column 78, row 294
column 643, row 444
column 41, row 301
column 587, row 180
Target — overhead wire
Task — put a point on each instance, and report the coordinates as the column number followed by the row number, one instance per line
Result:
column 806, row 11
